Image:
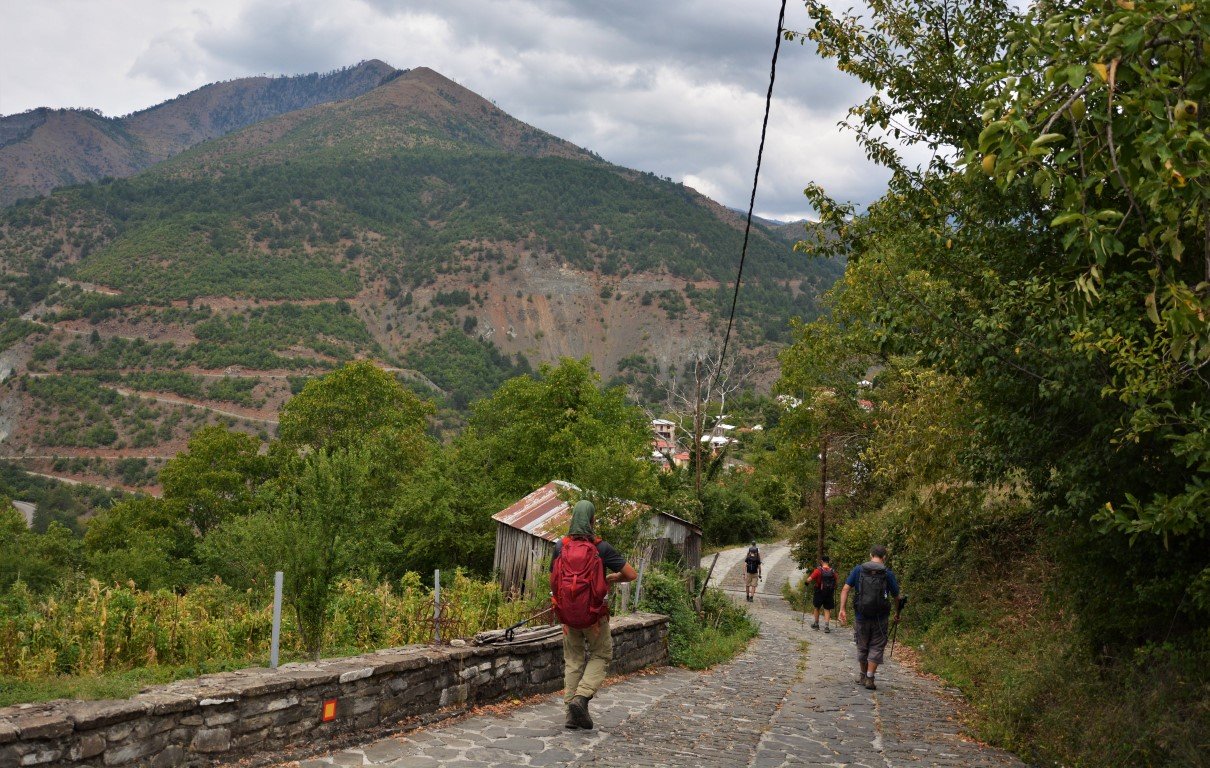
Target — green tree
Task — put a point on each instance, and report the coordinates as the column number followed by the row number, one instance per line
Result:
column 442, row 518
column 1095, row 113
column 316, row 527
column 18, row 557
column 215, row 478
column 828, row 428
column 561, row 424
column 729, row 515
column 358, row 406
column 349, row 405
column 1061, row 290
column 144, row 540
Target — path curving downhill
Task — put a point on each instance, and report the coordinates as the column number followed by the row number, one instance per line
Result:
column 789, row 700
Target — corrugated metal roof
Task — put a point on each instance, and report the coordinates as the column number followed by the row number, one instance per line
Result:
column 545, row 515
column 541, row 513
column 682, row 521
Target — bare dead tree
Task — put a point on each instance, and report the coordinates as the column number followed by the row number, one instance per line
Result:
column 692, row 401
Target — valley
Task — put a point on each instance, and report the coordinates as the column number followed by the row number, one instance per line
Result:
column 415, row 224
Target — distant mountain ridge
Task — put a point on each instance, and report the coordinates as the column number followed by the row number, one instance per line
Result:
column 416, row 224
column 44, row 149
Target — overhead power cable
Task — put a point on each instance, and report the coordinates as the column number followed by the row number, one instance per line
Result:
column 764, row 127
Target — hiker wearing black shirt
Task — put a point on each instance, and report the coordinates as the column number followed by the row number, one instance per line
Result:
column 876, row 589
column 587, row 646
column 752, row 566
column 823, row 579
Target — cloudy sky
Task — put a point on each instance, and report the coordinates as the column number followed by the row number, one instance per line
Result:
column 675, row 87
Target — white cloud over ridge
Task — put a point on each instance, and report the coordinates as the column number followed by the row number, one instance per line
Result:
column 675, row 87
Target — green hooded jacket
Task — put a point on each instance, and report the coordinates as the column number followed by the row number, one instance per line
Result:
column 581, row 519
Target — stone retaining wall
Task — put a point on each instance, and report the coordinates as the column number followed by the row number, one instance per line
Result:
column 220, row 718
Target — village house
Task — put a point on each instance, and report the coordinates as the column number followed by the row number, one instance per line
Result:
column 664, row 430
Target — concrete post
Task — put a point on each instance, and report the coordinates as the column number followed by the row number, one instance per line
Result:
column 437, row 606
column 275, row 642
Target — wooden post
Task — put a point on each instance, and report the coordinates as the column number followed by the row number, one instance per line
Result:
column 697, row 603
column 638, row 584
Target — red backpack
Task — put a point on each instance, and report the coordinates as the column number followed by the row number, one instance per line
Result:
column 577, row 584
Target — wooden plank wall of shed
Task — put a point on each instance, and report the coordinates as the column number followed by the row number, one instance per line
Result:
column 679, row 536
column 519, row 557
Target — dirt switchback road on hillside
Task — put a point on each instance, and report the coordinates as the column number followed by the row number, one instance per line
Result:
column 789, row 700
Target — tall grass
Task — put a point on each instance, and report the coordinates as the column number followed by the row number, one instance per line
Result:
column 94, row 629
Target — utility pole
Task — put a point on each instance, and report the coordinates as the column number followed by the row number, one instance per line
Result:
column 698, row 427
column 823, row 495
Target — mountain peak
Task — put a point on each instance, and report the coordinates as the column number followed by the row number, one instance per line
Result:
column 410, row 107
column 45, row 148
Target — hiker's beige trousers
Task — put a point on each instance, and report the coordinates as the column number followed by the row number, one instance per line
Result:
column 586, row 654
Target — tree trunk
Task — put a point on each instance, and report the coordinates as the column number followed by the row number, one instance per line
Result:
column 823, row 496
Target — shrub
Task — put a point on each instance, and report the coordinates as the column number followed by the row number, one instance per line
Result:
column 696, row 641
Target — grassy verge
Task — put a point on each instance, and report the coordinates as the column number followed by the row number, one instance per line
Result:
column 995, row 620
column 109, row 685
column 697, row 640
column 1037, row 688
column 799, row 598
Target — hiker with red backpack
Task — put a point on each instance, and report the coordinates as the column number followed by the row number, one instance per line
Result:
column 823, row 579
column 581, row 572
column 875, row 587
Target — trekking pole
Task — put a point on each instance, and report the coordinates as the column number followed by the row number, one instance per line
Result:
column 510, row 632
column 895, row 630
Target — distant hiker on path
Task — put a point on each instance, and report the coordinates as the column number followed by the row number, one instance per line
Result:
column 824, row 580
column 579, row 587
column 754, row 572
column 875, row 586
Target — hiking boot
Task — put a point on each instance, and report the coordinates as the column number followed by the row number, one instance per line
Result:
column 861, row 678
column 578, row 709
column 827, row 628
column 815, row 625
column 572, row 724
column 869, row 684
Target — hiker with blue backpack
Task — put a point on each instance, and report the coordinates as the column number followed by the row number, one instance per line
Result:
column 581, row 571
column 876, row 590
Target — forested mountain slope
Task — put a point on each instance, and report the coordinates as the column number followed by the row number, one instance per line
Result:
column 44, row 149
column 416, row 224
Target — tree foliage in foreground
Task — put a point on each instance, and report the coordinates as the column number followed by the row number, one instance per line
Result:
column 1067, row 287
column 1038, row 292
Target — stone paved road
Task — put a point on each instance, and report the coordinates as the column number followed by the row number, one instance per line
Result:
column 789, row 700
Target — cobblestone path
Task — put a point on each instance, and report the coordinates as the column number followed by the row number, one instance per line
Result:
column 789, row 700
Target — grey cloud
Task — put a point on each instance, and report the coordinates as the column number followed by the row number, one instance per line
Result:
column 173, row 60
column 675, row 87
column 276, row 37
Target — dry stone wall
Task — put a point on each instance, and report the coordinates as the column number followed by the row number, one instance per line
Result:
column 220, row 718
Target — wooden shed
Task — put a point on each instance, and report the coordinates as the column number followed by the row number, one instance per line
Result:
column 526, row 533
column 665, row 536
